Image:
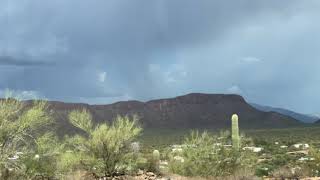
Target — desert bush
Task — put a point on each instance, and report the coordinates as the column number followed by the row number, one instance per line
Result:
column 264, row 169
column 19, row 128
column 314, row 165
column 206, row 155
column 288, row 172
column 41, row 161
column 103, row 150
column 146, row 162
column 283, row 173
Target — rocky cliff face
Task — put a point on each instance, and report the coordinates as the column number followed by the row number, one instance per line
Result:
column 189, row 111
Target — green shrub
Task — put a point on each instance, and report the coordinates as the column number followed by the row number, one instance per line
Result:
column 104, row 150
column 147, row 163
column 42, row 160
column 263, row 170
column 19, row 128
column 205, row 155
column 314, row 165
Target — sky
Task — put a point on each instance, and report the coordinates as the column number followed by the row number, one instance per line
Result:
column 100, row 51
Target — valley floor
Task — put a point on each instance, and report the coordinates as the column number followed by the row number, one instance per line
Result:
column 158, row 138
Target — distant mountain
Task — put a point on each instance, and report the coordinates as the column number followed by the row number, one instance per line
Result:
column 190, row 111
column 317, row 115
column 301, row 117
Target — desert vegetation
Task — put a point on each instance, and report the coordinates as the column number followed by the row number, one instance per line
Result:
column 103, row 150
column 30, row 149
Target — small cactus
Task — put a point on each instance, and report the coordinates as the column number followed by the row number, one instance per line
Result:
column 235, row 132
column 156, row 159
column 156, row 155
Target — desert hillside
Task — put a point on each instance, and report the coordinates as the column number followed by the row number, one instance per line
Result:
column 195, row 110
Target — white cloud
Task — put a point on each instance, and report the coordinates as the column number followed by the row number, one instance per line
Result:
column 175, row 73
column 106, row 100
column 102, row 76
column 170, row 74
column 29, row 95
column 234, row 90
column 250, row 59
column 21, row 94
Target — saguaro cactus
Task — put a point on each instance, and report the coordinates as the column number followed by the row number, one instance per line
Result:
column 235, row 132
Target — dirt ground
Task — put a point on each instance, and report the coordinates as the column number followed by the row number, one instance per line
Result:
column 152, row 176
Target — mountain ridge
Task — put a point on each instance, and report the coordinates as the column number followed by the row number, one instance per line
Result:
column 195, row 110
column 299, row 116
column 191, row 111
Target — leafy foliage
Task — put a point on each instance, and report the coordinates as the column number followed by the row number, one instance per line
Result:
column 206, row 155
column 19, row 128
column 314, row 165
column 42, row 160
column 103, row 149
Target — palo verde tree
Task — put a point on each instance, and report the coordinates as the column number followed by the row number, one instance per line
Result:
column 41, row 159
column 20, row 125
column 103, row 149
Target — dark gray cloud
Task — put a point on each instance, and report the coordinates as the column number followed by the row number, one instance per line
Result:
column 10, row 61
column 103, row 51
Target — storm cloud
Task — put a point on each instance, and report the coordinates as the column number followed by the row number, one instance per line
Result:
column 9, row 61
column 103, row 51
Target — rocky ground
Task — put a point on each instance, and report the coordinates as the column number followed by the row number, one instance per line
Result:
column 139, row 176
column 152, row 176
